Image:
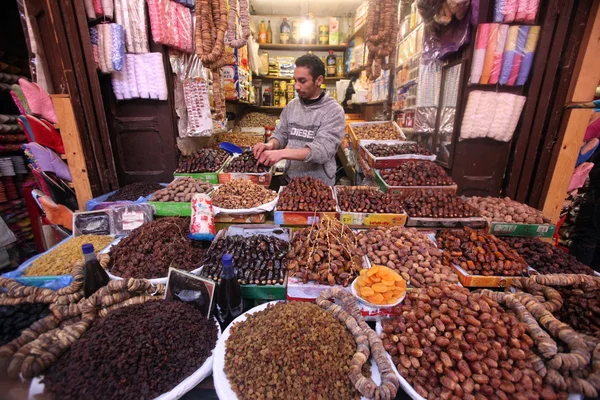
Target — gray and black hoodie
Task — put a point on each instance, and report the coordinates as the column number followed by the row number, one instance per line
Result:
column 319, row 126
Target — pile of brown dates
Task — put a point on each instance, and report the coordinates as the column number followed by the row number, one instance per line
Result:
column 205, row 160
column 416, row 173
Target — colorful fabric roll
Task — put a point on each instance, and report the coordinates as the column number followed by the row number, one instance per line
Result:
column 519, row 51
column 89, row 9
column 98, row 7
column 117, row 46
column 132, row 86
column 489, row 54
column 510, row 10
column 107, row 8
column 171, row 24
column 101, row 55
column 527, row 61
column 498, row 52
column 509, row 54
column 483, row 32
column 522, row 10
column 532, row 11
column 498, row 11
column 94, row 40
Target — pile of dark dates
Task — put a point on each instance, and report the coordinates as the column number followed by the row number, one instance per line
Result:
column 245, row 162
column 306, row 194
column 416, row 173
column 368, row 200
column 396, row 149
column 429, row 203
column 204, row 160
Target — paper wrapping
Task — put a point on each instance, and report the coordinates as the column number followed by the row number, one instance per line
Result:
column 489, row 54
column 498, row 53
column 509, row 54
column 483, row 31
column 519, row 51
column 527, row 61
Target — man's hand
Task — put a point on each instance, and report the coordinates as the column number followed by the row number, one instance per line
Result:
column 270, row 157
column 259, row 148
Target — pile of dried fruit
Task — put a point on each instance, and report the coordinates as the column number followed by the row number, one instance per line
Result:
column 258, row 259
column 205, row 160
column 396, row 149
column 61, row 259
column 429, row 203
column 306, row 194
column 407, row 251
column 325, row 253
column 258, row 120
column 416, row 173
column 384, row 131
column 290, row 351
column 139, row 351
column 507, row 210
column 367, row 200
column 14, row 319
column 134, row 191
column 182, row 189
column 151, row 249
column 546, row 258
column 449, row 342
column 380, row 285
column 245, row 162
column 480, row 253
column 242, row 193
column 581, row 309
column 241, row 139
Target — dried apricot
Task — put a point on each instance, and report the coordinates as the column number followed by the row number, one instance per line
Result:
column 360, row 281
column 387, row 282
column 366, row 292
column 380, row 287
column 372, row 271
column 388, row 295
column 377, row 298
column 375, row 279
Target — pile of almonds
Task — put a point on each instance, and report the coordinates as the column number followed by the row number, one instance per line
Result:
column 506, row 210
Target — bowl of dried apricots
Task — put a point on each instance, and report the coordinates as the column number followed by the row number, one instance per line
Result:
column 379, row 286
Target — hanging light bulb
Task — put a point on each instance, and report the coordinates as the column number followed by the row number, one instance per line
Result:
column 306, row 28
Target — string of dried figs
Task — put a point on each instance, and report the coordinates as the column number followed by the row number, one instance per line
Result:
column 306, row 194
column 382, row 31
column 365, row 199
column 242, row 193
column 416, row 173
column 546, row 258
column 480, row 253
column 151, row 249
column 396, row 149
column 428, row 203
column 325, row 253
column 506, row 210
column 450, row 343
column 384, row 131
column 407, row 251
column 204, row 160
column 245, row 162
column 150, row 347
column 258, row 259
column 267, row 357
column 182, row 189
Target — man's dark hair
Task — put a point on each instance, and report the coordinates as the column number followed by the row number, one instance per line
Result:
column 313, row 63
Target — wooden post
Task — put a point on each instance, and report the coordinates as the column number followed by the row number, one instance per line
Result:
column 73, row 148
column 586, row 77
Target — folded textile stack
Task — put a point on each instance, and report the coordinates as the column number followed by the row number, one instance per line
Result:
column 19, row 165
column 98, row 8
column 142, row 76
column 171, row 24
column 508, row 11
column 491, row 114
column 110, row 45
column 131, row 14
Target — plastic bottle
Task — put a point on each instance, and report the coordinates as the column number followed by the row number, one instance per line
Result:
column 285, row 32
column 269, row 33
column 267, row 97
column 331, row 61
column 262, row 33
column 229, row 294
column 94, row 276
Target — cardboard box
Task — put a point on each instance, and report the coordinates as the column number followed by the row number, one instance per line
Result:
column 392, row 161
column 302, row 218
column 482, row 281
column 399, row 190
column 508, row 229
column 355, row 140
column 361, row 220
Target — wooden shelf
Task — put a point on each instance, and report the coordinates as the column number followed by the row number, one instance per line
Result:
column 289, row 78
column 301, row 47
column 358, row 33
column 269, row 107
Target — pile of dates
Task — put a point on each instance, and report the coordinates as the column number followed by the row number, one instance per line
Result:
column 258, row 259
column 205, row 160
column 480, row 253
column 407, row 251
column 416, row 173
column 581, row 309
column 181, row 190
column 306, row 194
column 450, row 343
column 546, row 258
column 396, row 149
column 245, row 162
column 429, row 203
column 134, row 191
column 385, row 131
column 367, row 200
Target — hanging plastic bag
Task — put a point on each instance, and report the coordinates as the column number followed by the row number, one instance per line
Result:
column 202, row 226
column 195, row 92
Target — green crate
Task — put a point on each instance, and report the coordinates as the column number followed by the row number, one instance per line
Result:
column 171, row 209
column 508, row 229
column 210, row 177
column 264, row 292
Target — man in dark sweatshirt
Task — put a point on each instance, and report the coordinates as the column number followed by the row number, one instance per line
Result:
column 311, row 127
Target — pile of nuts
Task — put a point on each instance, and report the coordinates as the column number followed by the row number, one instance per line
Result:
column 450, row 343
column 416, row 173
column 396, row 149
column 407, row 251
column 138, row 351
column 134, row 191
column 242, row 193
column 367, row 199
column 204, row 160
column 258, row 259
column 182, row 189
column 429, row 203
column 246, row 162
column 480, row 253
column 241, row 139
column 384, row 131
column 151, row 249
column 306, row 194
column 325, row 253
column 15, row 319
column 258, row 120
column 290, row 351
column 546, row 258
column 62, row 259
column 507, row 210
